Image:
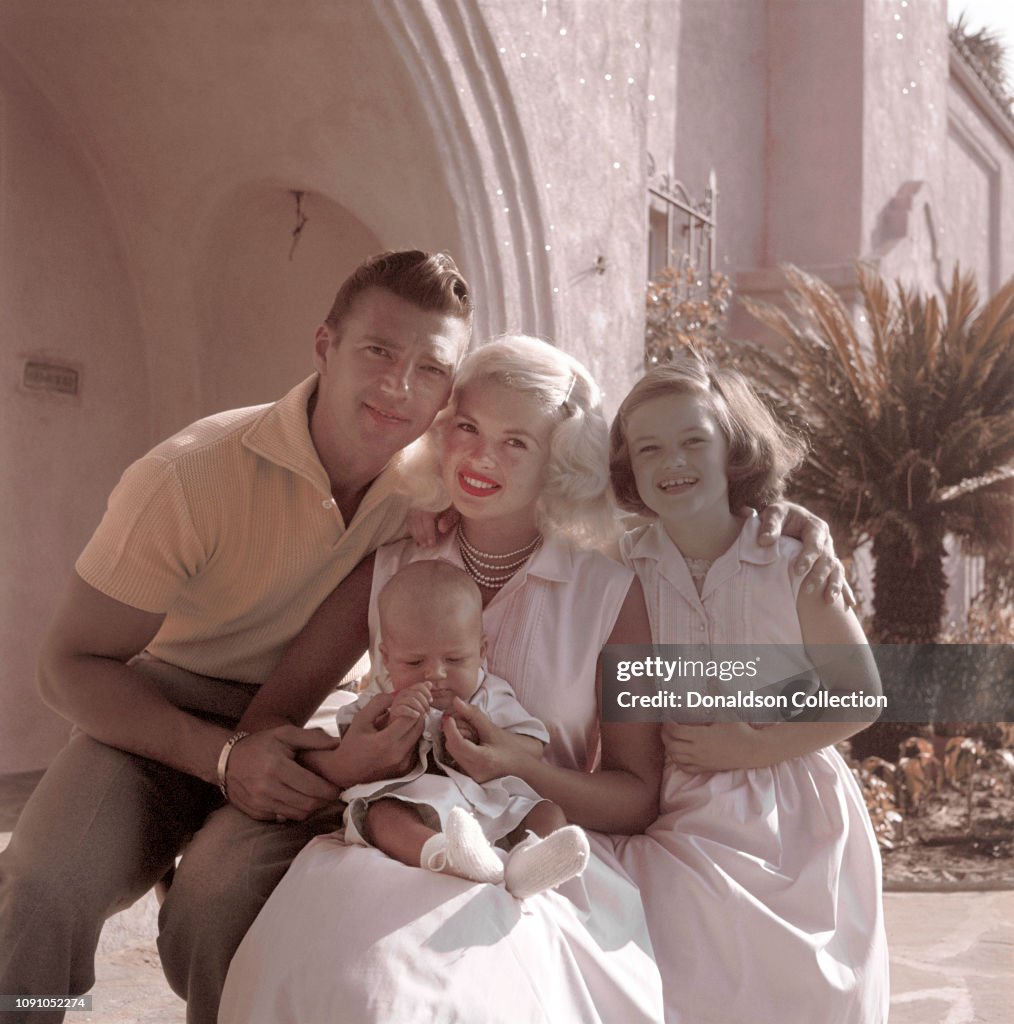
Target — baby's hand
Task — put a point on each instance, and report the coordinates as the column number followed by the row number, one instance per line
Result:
column 413, row 702
column 465, row 728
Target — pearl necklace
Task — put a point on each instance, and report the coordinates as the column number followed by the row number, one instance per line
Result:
column 480, row 565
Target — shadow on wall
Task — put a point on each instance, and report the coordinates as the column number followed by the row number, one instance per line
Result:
column 257, row 307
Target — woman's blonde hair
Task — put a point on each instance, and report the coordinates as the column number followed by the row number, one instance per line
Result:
column 762, row 453
column 575, row 500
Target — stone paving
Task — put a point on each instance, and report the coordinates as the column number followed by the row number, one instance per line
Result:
column 952, row 955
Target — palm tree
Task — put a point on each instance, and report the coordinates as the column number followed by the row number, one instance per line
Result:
column 911, row 422
column 986, row 51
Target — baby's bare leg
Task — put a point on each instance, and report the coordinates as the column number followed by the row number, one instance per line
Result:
column 543, row 819
column 396, row 828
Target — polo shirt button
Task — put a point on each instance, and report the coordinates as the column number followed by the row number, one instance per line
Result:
column 700, row 628
column 327, row 503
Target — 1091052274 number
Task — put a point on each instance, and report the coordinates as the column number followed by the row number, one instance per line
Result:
column 45, row 1003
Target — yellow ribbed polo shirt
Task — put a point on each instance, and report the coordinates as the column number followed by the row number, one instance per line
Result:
column 229, row 529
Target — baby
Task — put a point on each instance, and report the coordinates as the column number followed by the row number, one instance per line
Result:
column 435, row 816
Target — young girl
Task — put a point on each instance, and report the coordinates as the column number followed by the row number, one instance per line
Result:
column 761, row 879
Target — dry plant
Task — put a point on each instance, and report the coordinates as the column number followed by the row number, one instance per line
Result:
column 681, row 313
column 986, row 50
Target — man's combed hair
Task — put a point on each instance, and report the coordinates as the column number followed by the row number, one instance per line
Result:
column 762, row 453
column 430, row 281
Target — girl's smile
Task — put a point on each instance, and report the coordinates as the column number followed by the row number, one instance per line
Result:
column 671, row 484
column 679, row 456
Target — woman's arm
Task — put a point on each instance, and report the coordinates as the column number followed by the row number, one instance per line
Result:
column 851, row 669
column 622, row 796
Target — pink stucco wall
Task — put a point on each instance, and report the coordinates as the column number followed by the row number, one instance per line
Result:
column 840, row 132
column 68, row 300
column 978, row 180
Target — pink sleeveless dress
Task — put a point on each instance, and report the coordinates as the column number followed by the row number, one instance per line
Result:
column 350, row 934
column 762, row 886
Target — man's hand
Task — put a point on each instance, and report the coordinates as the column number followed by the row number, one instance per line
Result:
column 265, row 781
column 375, row 746
column 817, row 561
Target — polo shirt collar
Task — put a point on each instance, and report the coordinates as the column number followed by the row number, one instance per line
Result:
column 281, row 434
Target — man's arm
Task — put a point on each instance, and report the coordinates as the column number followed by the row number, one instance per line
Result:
column 326, row 648
column 817, row 561
column 83, row 674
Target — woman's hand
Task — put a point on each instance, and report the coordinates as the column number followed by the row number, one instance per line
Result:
column 465, row 727
column 817, row 561
column 494, row 754
column 426, row 528
column 718, row 747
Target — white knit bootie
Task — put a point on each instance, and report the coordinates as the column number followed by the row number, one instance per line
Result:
column 537, row 864
column 463, row 850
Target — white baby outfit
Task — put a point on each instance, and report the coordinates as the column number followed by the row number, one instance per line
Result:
column 434, row 784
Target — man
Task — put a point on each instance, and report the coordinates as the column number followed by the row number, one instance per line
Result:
column 214, row 551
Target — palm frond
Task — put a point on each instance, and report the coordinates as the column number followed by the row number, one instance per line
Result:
column 975, row 483
column 910, row 415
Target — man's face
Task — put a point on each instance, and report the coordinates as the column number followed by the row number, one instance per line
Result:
column 386, row 378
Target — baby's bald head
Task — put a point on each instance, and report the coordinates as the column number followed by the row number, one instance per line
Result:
column 432, row 589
